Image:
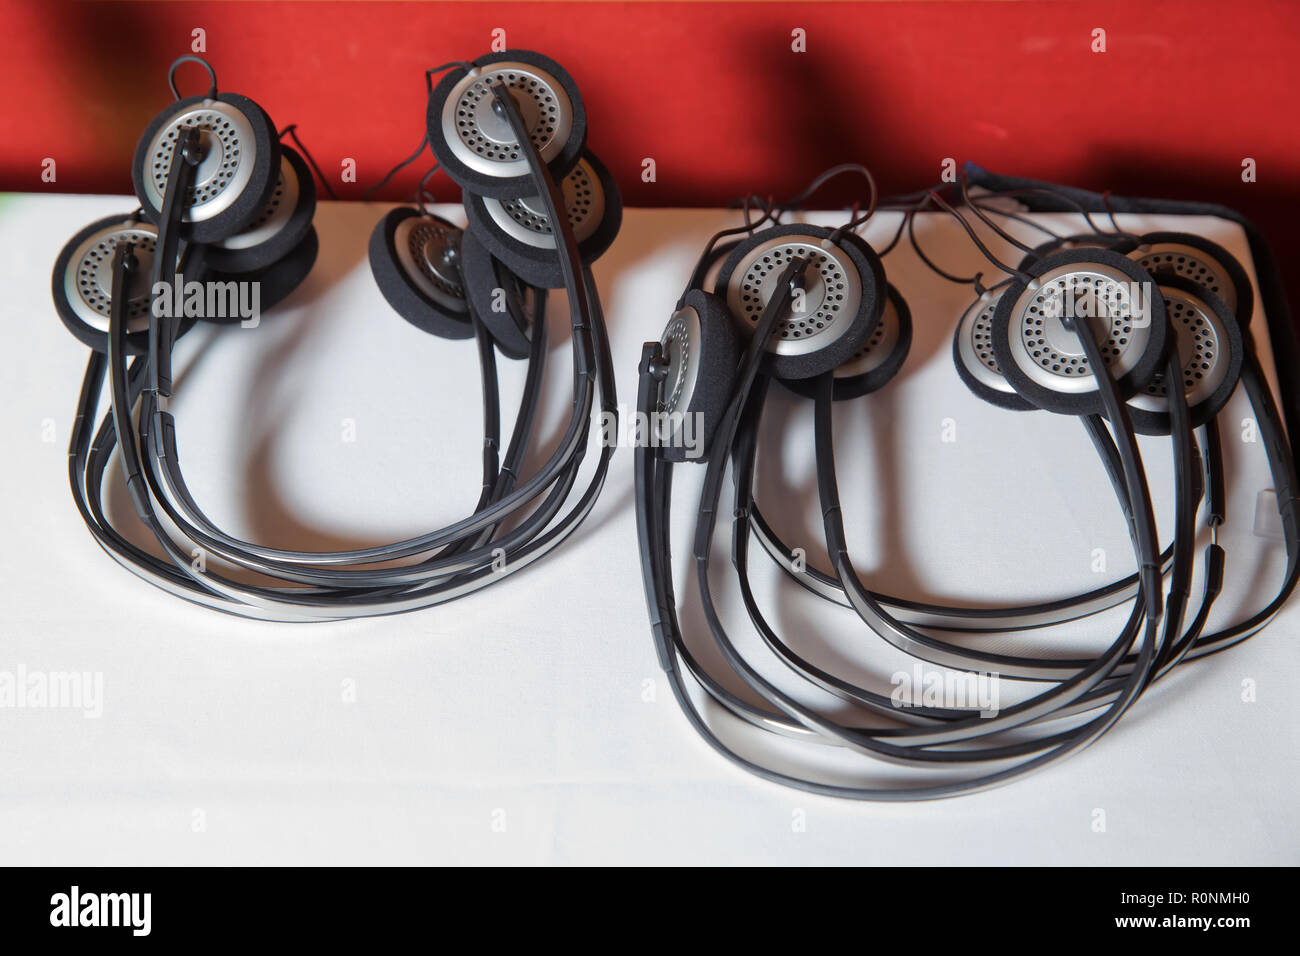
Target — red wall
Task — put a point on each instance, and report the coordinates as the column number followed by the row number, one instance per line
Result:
column 712, row 91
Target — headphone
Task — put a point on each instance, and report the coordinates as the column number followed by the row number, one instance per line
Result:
column 222, row 199
column 1209, row 302
column 1097, row 326
column 498, row 269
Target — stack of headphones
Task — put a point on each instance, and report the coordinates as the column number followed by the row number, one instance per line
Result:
column 246, row 214
column 497, row 269
column 223, row 201
column 809, row 308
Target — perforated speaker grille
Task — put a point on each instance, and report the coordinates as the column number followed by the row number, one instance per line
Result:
column 680, row 351
column 825, row 294
column 1198, row 347
column 426, row 242
column 1106, row 298
column 219, row 133
column 539, row 105
column 982, row 336
column 681, row 344
column 877, row 337
column 1191, row 264
column 580, row 190
column 878, row 348
column 274, row 215
column 525, row 220
column 94, row 269
column 225, row 169
column 272, row 205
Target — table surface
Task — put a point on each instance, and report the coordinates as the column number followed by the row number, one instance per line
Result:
column 529, row 723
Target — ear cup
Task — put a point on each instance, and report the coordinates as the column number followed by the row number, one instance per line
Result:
column 703, row 351
column 872, row 366
column 972, row 353
column 500, row 299
column 82, row 281
column 1042, row 358
column 241, row 162
column 276, row 281
column 415, row 260
column 1082, row 240
column 1202, row 261
column 279, row 226
column 475, row 144
column 1210, row 349
column 842, row 296
column 518, row 233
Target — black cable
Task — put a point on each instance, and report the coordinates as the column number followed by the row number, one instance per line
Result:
column 292, row 130
column 520, row 519
column 370, row 190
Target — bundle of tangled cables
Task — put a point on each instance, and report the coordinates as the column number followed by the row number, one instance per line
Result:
column 223, row 201
column 1100, row 326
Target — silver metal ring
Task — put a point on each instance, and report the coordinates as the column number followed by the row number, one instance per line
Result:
column 274, row 216
column 428, row 251
column 825, row 309
column 1049, row 353
column 878, row 347
column 526, row 219
column 1201, row 340
column 975, row 343
column 229, row 152
column 88, row 279
column 1191, row 263
column 483, row 140
column 681, row 346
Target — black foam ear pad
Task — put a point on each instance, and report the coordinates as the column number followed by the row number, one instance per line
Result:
column 872, row 366
column 500, row 299
column 1202, row 261
column 1082, row 240
column 703, row 351
column 972, row 353
column 475, row 144
column 82, row 282
column 279, row 226
column 276, row 281
column 518, row 232
column 415, row 260
column 842, row 296
column 240, row 166
column 1210, row 352
column 1042, row 358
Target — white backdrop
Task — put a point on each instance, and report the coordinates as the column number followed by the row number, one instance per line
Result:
column 528, row 723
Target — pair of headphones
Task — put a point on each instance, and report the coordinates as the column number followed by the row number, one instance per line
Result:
column 1035, row 366
column 830, row 303
column 221, row 198
column 1058, row 354
column 498, row 269
column 1006, row 350
column 245, row 213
